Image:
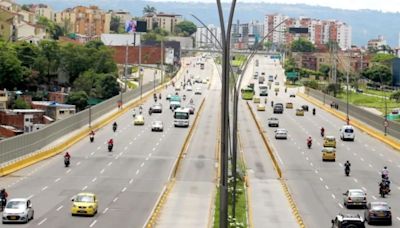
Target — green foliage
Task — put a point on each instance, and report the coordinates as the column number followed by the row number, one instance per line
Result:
column 267, row 44
column 324, row 69
column 395, row 96
column 311, row 83
column 79, row 99
column 27, row 53
column 115, row 24
column 53, row 29
column 302, row 45
column 378, row 73
column 86, row 82
column 149, row 9
column 289, row 65
column 19, row 103
column 383, row 58
column 185, row 28
column 157, row 34
column 11, row 69
column 107, row 86
column 48, row 60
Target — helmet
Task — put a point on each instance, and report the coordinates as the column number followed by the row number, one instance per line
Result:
column 385, row 167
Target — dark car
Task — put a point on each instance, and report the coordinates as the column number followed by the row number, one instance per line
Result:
column 278, row 108
column 378, row 212
column 305, row 108
column 292, row 95
column 157, row 108
column 348, row 221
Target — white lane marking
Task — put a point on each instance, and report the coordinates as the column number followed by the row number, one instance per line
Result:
column 78, row 163
column 123, row 190
column 340, row 205
column 94, row 179
column 380, row 154
column 154, row 149
column 374, row 197
column 141, row 165
column 147, row 158
column 333, row 196
column 99, row 147
column 92, row 224
column 130, row 143
column 321, row 179
column 390, row 161
column 109, row 163
column 398, row 218
column 92, row 153
column 41, row 222
column 311, row 164
column 363, row 188
column 57, row 180
column 68, row 171
column 157, row 144
column 348, row 148
column 307, row 158
column 370, row 165
column 125, row 148
column 117, row 157
column 84, row 188
column 137, row 172
column 355, row 154
column 398, row 188
column 120, row 154
column 316, row 171
column 130, row 181
column 105, row 210
column 115, row 199
column 355, row 180
column 59, row 208
column 326, row 186
column 134, row 139
column 366, row 145
column 102, row 171
column 150, row 154
column 373, row 149
column 44, row 188
column 340, row 164
column 362, row 159
column 31, row 196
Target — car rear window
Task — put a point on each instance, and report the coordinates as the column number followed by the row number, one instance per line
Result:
column 348, row 130
column 357, row 194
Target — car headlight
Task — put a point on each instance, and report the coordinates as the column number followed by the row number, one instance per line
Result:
column 90, row 206
column 73, row 205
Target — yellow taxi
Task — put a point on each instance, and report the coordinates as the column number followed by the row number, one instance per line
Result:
column 139, row 120
column 261, row 107
column 299, row 112
column 256, row 100
column 84, row 203
column 330, row 141
column 328, row 154
column 289, row 105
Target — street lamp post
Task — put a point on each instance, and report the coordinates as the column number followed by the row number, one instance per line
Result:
column 154, row 81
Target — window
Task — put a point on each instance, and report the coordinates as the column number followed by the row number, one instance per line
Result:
column 61, row 112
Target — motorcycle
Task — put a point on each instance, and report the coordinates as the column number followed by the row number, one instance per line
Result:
column 309, row 143
column 91, row 137
column 66, row 162
column 184, row 97
column 322, row 133
column 150, row 111
column 313, row 111
column 114, row 128
column 347, row 171
column 384, row 190
column 110, row 147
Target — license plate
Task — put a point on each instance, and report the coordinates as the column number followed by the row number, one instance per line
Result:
column 381, row 214
column 81, row 211
column 13, row 217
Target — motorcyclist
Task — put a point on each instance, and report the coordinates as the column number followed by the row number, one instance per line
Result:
column 150, row 111
column 347, row 166
column 3, row 197
column 322, row 131
column 67, row 156
column 285, row 90
column 140, row 109
column 272, row 103
column 385, row 173
column 91, row 135
column 115, row 126
column 309, row 141
column 191, row 101
column 134, row 113
column 110, row 142
column 184, row 97
column 159, row 96
column 313, row 111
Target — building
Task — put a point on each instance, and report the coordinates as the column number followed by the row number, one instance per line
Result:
column 319, row 33
column 55, row 110
column 205, row 38
column 89, row 21
column 186, row 42
column 42, row 10
column 164, row 21
column 396, row 72
column 122, row 15
column 3, row 99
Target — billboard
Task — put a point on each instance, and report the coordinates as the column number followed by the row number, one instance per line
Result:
column 298, row 30
column 132, row 26
column 169, row 56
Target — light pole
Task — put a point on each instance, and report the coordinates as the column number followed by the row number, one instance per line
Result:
column 154, row 81
column 347, row 90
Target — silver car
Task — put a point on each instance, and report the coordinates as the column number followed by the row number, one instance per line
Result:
column 157, row 126
column 18, row 210
column 280, row 133
column 273, row 122
column 355, row 197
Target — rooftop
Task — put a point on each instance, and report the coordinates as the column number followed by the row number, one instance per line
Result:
column 52, row 104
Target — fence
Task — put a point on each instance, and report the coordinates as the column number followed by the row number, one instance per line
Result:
column 22, row 145
column 369, row 118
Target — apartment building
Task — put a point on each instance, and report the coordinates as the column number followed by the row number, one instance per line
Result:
column 164, row 21
column 122, row 15
column 208, row 38
column 320, row 32
column 89, row 21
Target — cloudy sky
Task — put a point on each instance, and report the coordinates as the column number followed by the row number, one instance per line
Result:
column 382, row 5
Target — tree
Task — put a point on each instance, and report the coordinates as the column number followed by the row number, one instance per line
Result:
column 312, row 84
column 395, row 96
column 86, row 82
column 11, row 70
column 19, row 103
column 302, row 45
column 267, row 44
column 149, row 9
column 107, row 86
column 185, row 28
column 79, row 99
column 378, row 73
column 53, row 29
column 48, row 60
column 383, row 58
column 324, row 69
column 115, row 24
column 26, row 52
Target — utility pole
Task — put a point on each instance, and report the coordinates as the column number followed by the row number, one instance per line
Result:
column 140, row 68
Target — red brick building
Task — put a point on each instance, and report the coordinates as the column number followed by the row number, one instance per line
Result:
column 150, row 54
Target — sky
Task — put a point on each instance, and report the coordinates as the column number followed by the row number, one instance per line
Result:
column 381, row 5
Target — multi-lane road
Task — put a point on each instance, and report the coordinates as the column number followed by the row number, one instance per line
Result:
column 317, row 186
column 127, row 181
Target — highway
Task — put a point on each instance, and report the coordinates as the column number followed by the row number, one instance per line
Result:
column 127, row 181
column 317, row 186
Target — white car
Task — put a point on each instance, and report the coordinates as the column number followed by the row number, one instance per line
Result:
column 157, row 126
column 280, row 133
column 189, row 88
column 347, row 133
column 197, row 91
column 273, row 122
column 355, row 197
column 18, row 210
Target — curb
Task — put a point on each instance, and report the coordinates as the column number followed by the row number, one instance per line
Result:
column 358, row 124
column 295, row 210
column 154, row 216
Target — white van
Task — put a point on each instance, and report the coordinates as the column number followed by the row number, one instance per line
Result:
column 347, row 133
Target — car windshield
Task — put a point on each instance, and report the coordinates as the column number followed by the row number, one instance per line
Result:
column 348, row 130
column 84, row 199
column 181, row 115
column 157, row 123
column 16, row 205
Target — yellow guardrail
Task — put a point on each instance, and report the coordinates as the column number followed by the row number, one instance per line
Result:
column 42, row 155
column 369, row 130
column 163, row 199
column 271, row 153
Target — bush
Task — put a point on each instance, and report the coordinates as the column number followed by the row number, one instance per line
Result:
column 311, row 83
column 19, row 103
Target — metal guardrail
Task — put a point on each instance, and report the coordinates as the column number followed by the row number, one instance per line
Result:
column 369, row 118
column 25, row 144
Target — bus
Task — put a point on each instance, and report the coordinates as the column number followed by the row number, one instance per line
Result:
column 247, row 93
column 181, row 117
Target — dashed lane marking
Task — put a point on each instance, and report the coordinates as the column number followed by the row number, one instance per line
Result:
column 109, row 163
column 374, row 197
column 321, row 179
column 84, row 188
column 340, row 205
column 355, row 180
column 102, row 171
column 137, row 172
column 93, row 223
column 94, row 179
column 78, row 163
column 123, row 190
column 44, row 188
column 41, row 222
column 141, row 165
column 333, row 196
column 115, row 199
column 130, row 181
column 59, row 208
column 31, row 196
column 69, row 170
column 57, row 180
column 326, row 186
column 105, row 210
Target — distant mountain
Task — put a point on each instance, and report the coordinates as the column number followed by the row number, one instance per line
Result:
column 366, row 24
